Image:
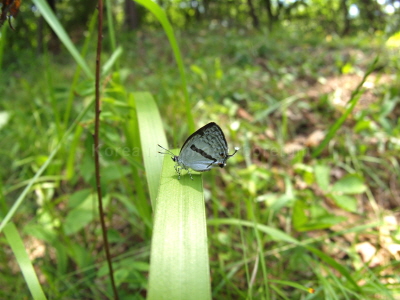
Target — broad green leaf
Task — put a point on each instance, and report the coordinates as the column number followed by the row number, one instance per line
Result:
column 151, row 133
column 322, row 173
column 350, row 184
column 346, row 202
column 179, row 267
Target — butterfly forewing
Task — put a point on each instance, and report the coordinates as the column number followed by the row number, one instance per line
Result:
column 209, row 132
column 205, row 148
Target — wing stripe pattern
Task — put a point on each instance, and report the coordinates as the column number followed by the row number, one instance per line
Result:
column 204, row 154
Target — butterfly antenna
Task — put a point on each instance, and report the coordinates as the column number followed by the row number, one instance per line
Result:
column 168, row 152
column 236, row 150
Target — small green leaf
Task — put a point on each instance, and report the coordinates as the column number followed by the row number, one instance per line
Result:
column 347, row 68
column 77, row 219
column 83, row 214
column 346, row 202
column 82, row 256
column 78, row 198
column 199, row 71
column 113, row 172
column 322, row 176
column 299, row 217
column 350, row 184
column 4, row 117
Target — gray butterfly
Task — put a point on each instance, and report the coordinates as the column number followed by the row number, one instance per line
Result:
column 203, row 150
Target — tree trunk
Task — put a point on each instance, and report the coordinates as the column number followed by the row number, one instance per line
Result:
column 273, row 18
column 206, row 5
column 346, row 17
column 253, row 15
column 370, row 10
column 270, row 15
column 40, row 35
column 131, row 15
column 54, row 42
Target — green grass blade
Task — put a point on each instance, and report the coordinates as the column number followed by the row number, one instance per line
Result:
column 330, row 261
column 292, row 284
column 52, row 20
column 76, row 78
column 110, row 25
column 355, row 96
column 274, row 233
column 14, row 240
column 154, row 8
column 179, row 253
column 108, row 65
column 279, row 235
column 151, row 133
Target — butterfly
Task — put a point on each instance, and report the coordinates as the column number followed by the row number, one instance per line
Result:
column 203, row 150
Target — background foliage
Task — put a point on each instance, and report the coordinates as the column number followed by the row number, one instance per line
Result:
column 280, row 77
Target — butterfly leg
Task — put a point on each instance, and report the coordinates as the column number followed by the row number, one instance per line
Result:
column 190, row 174
column 178, row 170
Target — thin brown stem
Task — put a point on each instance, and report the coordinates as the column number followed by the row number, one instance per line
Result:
column 96, row 147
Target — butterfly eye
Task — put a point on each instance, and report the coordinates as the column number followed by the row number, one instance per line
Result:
column 221, row 165
column 222, row 154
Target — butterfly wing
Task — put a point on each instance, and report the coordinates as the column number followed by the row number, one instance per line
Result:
column 204, row 149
